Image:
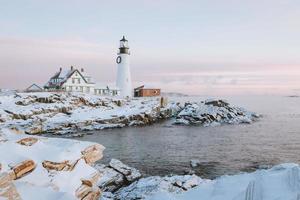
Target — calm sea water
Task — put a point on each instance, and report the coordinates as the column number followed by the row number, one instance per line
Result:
column 164, row 149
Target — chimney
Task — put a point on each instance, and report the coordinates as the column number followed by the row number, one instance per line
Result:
column 60, row 69
column 72, row 68
column 82, row 70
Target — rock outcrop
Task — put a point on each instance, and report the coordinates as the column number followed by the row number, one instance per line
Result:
column 146, row 187
column 116, row 175
column 67, row 113
column 121, row 182
column 213, row 112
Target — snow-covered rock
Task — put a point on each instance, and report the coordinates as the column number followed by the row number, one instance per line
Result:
column 131, row 174
column 194, row 163
column 149, row 186
column 47, row 168
column 63, row 113
column 280, row 182
column 213, row 112
column 116, row 175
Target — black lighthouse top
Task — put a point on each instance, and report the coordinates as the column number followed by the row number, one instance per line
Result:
column 124, row 48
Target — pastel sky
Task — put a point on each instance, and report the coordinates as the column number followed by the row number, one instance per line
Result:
column 208, row 47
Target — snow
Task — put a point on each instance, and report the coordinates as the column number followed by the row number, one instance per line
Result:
column 59, row 112
column 280, row 182
column 42, row 183
column 130, row 173
column 212, row 113
column 147, row 187
column 70, row 112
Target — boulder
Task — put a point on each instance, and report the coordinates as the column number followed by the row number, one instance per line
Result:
column 92, row 153
column 217, row 103
column 88, row 190
column 116, row 175
column 83, row 191
column 7, row 188
column 23, row 168
column 59, row 166
column 34, row 129
column 111, row 180
column 131, row 174
column 92, row 180
column 28, row 141
column 194, row 163
column 94, row 195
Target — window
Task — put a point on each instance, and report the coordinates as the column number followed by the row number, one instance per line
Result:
column 79, row 81
column 73, row 80
column 76, row 88
column 88, row 89
column 81, row 88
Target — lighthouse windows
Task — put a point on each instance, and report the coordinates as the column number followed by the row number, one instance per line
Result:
column 119, row 59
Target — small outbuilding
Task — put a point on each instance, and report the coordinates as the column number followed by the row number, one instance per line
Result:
column 34, row 88
column 142, row 91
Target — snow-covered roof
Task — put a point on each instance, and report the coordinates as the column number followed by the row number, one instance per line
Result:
column 62, row 76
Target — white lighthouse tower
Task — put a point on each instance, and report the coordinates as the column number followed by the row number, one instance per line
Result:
column 123, row 76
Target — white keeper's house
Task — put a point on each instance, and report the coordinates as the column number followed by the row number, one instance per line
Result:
column 75, row 80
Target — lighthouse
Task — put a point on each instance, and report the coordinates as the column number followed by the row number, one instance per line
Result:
column 123, row 75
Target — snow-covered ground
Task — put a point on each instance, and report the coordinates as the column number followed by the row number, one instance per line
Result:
column 62, row 113
column 34, row 167
column 282, row 182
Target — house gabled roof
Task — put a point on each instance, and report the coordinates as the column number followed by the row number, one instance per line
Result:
column 34, row 87
column 62, row 76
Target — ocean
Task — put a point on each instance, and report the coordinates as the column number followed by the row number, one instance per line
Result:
column 165, row 149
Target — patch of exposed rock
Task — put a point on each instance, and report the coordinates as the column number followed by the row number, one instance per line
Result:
column 116, row 175
column 121, row 182
column 213, row 112
column 146, row 187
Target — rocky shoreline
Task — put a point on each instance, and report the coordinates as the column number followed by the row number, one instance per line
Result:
column 34, row 167
column 121, row 182
column 70, row 113
column 36, row 163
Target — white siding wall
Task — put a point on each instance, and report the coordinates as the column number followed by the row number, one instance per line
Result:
column 77, row 84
